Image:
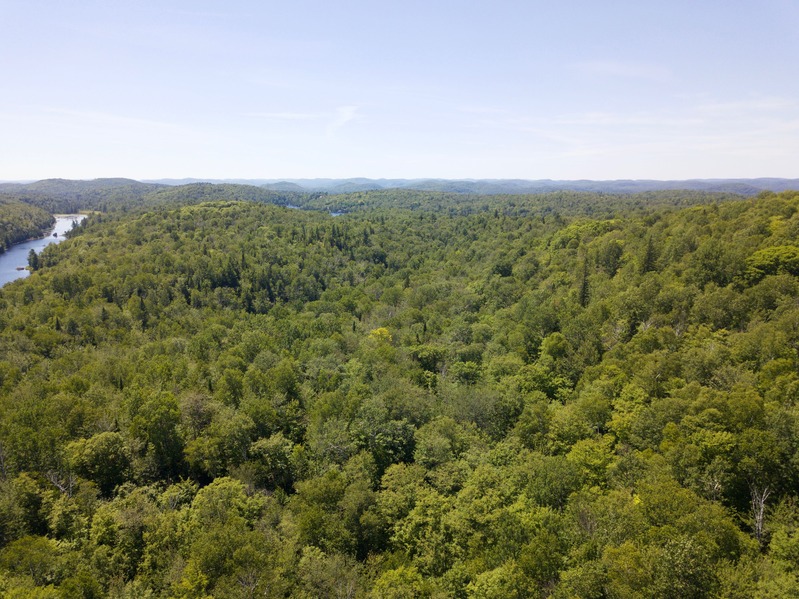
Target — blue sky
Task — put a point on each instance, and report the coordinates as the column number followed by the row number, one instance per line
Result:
column 466, row 89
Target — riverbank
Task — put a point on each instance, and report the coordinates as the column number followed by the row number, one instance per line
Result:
column 14, row 262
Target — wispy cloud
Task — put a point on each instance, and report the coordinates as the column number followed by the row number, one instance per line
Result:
column 591, row 120
column 686, row 136
column 332, row 120
column 626, row 70
column 639, row 119
column 749, row 106
column 344, row 115
column 287, row 116
column 197, row 13
column 106, row 118
column 482, row 110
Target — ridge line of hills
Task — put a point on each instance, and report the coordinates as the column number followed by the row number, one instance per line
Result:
column 509, row 186
column 740, row 186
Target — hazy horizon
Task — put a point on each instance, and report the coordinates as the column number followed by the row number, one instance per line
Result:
column 357, row 177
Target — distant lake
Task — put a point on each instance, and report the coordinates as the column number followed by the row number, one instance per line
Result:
column 17, row 254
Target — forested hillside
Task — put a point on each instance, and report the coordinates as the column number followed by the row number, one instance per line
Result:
column 20, row 222
column 496, row 397
column 69, row 196
column 562, row 203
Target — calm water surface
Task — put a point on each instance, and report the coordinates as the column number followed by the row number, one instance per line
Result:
column 17, row 255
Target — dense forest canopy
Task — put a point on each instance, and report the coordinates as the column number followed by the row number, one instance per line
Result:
column 205, row 394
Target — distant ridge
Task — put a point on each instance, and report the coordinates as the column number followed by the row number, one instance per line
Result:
column 73, row 186
column 746, row 187
column 283, row 186
column 74, row 189
column 68, row 195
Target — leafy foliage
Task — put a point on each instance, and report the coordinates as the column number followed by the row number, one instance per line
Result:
column 552, row 396
column 20, row 222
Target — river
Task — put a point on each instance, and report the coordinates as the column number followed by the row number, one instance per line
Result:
column 17, row 254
